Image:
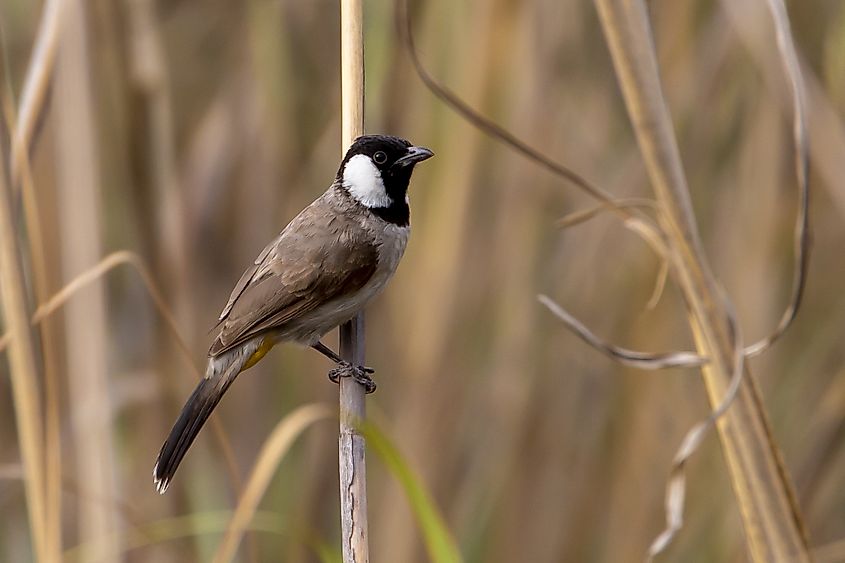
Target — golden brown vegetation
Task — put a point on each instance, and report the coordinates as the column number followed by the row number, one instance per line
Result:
column 190, row 132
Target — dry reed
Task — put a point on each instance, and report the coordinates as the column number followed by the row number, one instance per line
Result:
column 772, row 521
column 24, row 374
column 351, row 444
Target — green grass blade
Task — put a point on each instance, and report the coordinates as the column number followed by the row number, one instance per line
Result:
column 439, row 542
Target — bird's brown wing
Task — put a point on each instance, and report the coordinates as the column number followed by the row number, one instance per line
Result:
column 249, row 277
column 314, row 260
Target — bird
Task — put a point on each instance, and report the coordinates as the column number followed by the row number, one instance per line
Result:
column 324, row 267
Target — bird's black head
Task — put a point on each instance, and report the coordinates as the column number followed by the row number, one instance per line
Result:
column 376, row 171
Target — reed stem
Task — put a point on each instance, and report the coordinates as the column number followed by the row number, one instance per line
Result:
column 23, row 372
column 351, row 444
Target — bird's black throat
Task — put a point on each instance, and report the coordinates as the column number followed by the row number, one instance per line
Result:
column 396, row 181
column 398, row 213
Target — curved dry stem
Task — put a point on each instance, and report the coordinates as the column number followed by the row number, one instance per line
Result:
column 646, row 229
column 633, row 358
column 584, row 215
column 676, row 487
column 659, row 285
column 272, row 452
column 491, row 128
column 801, row 240
column 93, row 274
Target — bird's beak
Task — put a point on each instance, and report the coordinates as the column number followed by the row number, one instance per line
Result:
column 413, row 156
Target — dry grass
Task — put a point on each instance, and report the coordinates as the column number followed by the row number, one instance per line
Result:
column 534, row 447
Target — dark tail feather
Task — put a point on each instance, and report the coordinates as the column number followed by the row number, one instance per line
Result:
column 194, row 414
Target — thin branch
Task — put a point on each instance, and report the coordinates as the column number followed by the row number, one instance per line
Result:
column 633, row 358
column 624, row 208
column 801, row 240
column 583, row 215
column 494, row 130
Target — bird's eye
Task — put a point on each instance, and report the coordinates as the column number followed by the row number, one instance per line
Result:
column 380, row 157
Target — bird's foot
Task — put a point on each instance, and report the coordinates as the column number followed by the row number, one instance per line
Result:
column 361, row 374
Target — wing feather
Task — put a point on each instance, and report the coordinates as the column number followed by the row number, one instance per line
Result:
column 316, row 259
column 249, row 276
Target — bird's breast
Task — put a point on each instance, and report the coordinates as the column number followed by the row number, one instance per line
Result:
column 391, row 243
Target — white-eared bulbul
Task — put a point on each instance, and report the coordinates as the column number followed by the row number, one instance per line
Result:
column 323, row 268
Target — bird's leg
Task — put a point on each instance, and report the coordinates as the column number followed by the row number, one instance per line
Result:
column 327, row 352
column 361, row 374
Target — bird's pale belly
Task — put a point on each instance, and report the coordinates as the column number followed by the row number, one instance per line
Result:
column 313, row 326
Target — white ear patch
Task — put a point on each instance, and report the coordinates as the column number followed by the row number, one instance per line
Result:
column 363, row 181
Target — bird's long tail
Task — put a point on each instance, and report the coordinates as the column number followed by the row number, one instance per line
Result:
column 196, row 411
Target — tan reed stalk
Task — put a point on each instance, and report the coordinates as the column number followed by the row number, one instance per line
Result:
column 773, row 527
column 90, row 412
column 33, row 101
column 351, row 444
column 49, row 354
column 24, row 377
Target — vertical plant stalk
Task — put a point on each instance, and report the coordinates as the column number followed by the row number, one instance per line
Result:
column 33, row 105
column 78, row 187
column 351, row 444
column 22, row 363
column 41, row 273
column 773, row 527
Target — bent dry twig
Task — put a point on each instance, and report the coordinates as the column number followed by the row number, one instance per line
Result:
column 625, row 208
column 801, row 238
column 632, row 358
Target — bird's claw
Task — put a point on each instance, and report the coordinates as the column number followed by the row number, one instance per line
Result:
column 361, row 374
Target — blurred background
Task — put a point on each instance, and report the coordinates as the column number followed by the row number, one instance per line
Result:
column 190, row 132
